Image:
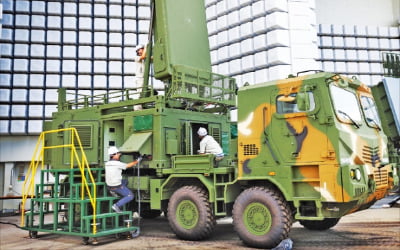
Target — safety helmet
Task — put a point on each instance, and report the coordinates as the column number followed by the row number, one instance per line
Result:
column 202, row 131
column 139, row 46
column 113, row 150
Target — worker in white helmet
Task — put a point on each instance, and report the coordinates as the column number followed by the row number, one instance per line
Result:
column 139, row 59
column 208, row 145
column 114, row 180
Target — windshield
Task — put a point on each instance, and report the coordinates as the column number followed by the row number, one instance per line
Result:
column 346, row 105
column 370, row 112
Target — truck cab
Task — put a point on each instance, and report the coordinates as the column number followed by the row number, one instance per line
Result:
column 317, row 139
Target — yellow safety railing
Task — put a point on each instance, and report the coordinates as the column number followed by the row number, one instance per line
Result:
column 38, row 158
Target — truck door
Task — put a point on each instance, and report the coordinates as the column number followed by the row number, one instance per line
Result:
column 300, row 136
column 293, row 134
column 113, row 135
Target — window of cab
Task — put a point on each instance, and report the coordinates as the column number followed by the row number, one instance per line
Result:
column 290, row 104
column 370, row 112
column 346, row 105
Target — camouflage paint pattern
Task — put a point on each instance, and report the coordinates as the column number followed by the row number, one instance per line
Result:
column 312, row 154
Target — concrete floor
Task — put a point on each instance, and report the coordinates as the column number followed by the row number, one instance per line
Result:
column 377, row 228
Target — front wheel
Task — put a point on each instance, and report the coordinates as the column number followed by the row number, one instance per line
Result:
column 190, row 214
column 261, row 217
column 319, row 224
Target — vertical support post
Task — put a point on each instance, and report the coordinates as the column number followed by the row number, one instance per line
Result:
column 62, row 99
column 30, row 223
column 54, row 195
column 41, row 201
column 56, row 187
column 83, row 213
column 149, row 52
column 72, row 149
column 70, row 215
column 71, row 208
column 55, row 215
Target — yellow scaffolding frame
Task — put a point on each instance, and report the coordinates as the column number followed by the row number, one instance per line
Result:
column 38, row 158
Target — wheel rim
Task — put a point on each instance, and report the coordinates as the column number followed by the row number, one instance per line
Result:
column 257, row 218
column 187, row 214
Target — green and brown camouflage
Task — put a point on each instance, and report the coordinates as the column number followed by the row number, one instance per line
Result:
column 318, row 139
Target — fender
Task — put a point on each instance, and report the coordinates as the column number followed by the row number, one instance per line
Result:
column 169, row 183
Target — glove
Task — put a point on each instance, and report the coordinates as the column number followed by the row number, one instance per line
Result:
column 139, row 159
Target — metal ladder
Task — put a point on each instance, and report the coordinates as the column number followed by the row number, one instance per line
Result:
column 222, row 178
column 78, row 204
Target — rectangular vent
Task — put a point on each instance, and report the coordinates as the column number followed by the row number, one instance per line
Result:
column 85, row 134
column 216, row 134
column 250, row 149
column 381, row 177
column 359, row 191
column 371, row 155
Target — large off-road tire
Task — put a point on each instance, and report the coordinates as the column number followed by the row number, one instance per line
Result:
column 319, row 224
column 261, row 217
column 190, row 215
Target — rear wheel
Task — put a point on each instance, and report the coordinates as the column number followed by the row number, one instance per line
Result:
column 319, row 224
column 190, row 214
column 261, row 217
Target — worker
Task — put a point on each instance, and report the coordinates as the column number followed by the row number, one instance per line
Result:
column 208, row 145
column 114, row 180
column 139, row 59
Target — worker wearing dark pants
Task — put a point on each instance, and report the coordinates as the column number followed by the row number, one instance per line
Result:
column 124, row 192
column 114, row 180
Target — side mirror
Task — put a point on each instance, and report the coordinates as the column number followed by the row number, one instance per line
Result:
column 303, row 101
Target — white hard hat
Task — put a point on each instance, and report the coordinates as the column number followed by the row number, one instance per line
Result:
column 202, row 131
column 139, row 46
column 113, row 150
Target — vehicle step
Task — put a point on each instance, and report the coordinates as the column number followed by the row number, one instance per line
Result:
column 108, row 215
column 114, row 231
column 72, row 200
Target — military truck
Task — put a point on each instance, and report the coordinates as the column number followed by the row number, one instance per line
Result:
column 306, row 148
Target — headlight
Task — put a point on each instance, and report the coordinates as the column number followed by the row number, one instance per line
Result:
column 358, row 174
column 355, row 174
